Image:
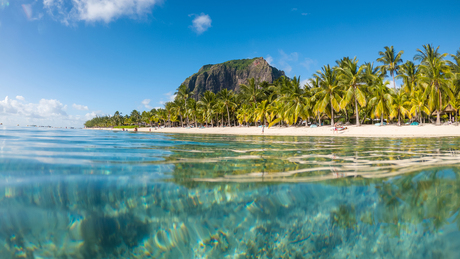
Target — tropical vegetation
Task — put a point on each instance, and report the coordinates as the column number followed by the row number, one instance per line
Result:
column 347, row 92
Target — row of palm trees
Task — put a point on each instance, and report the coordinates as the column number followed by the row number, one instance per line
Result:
column 347, row 91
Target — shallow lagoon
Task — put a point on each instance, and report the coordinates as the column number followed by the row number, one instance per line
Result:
column 100, row 194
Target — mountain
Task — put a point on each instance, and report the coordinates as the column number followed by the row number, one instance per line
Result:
column 230, row 75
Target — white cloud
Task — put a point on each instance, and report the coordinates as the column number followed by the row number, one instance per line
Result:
column 68, row 11
column 45, row 108
column 304, row 82
column 92, row 114
column 392, row 84
column 308, row 62
column 201, row 23
column 286, row 67
column 285, row 58
column 305, row 14
column 45, row 112
column 294, row 56
column 80, row 107
column 170, row 98
column 294, row 9
column 146, row 103
column 269, row 59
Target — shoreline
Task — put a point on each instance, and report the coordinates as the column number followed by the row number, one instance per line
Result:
column 388, row 131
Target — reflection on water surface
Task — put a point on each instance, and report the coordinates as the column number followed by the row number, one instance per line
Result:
column 95, row 194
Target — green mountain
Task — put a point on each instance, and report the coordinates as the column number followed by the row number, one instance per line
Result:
column 230, row 75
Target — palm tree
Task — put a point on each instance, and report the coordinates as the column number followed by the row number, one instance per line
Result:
column 169, row 107
column 243, row 114
column 418, row 105
column 455, row 103
column 294, row 98
column 433, row 72
column 227, row 98
column 381, row 100
column 162, row 115
column 352, row 77
column 409, row 73
column 145, row 117
column 154, row 117
column 135, row 117
column 398, row 106
column 262, row 112
column 251, row 92
column 391, row 61
column 183, row 93
column 207, row 101
column 178, row 109
column 192, row 109
column 329, row 95
column 117, row 118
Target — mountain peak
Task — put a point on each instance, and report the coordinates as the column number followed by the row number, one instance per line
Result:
column 230, row 75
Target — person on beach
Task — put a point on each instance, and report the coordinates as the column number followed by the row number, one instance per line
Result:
column 337, row 128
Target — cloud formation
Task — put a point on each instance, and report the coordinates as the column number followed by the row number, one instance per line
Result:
column 392, row 84
column 28, row 11
column 269, row 59
column 170, row 95
column 146, row 104
column 201, row 23
column 45, row 112
column 69, row 11
column 308, row 62
column 285, row 58
column 45, row 108
column 80, row 107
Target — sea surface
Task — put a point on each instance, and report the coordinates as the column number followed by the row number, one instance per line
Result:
column 102, row 194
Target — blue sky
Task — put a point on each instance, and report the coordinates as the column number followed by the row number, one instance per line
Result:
column 64, row 61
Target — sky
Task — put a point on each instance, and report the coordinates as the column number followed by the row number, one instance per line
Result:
column 65, row 61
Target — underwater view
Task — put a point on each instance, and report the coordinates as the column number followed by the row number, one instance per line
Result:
column 103, row 194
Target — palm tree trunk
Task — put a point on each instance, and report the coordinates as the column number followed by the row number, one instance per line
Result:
column 381, row 119
column 357, row 112
column 181, row 121
column 438, row 112
column 420, row 117
column 228, row 114
column 399, row 118
column 332, row 115
column 196, row 126
column 188, row 121
column 319, row 120
column 394, row 82
column 456, row 117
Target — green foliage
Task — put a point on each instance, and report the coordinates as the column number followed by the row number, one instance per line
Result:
column 239, row 64
column 344, row 92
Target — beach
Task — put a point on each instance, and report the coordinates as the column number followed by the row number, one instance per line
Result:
column 426, row 130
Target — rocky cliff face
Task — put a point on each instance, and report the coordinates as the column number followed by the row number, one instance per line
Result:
column 229, row 75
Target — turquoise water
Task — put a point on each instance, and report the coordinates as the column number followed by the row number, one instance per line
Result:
column 100, row 194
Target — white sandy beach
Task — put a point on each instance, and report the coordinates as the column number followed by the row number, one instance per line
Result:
column 427, row 130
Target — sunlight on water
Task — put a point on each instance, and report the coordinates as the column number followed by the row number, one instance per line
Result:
column 98, row 194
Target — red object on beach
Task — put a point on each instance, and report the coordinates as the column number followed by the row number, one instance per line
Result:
column 135, row 129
